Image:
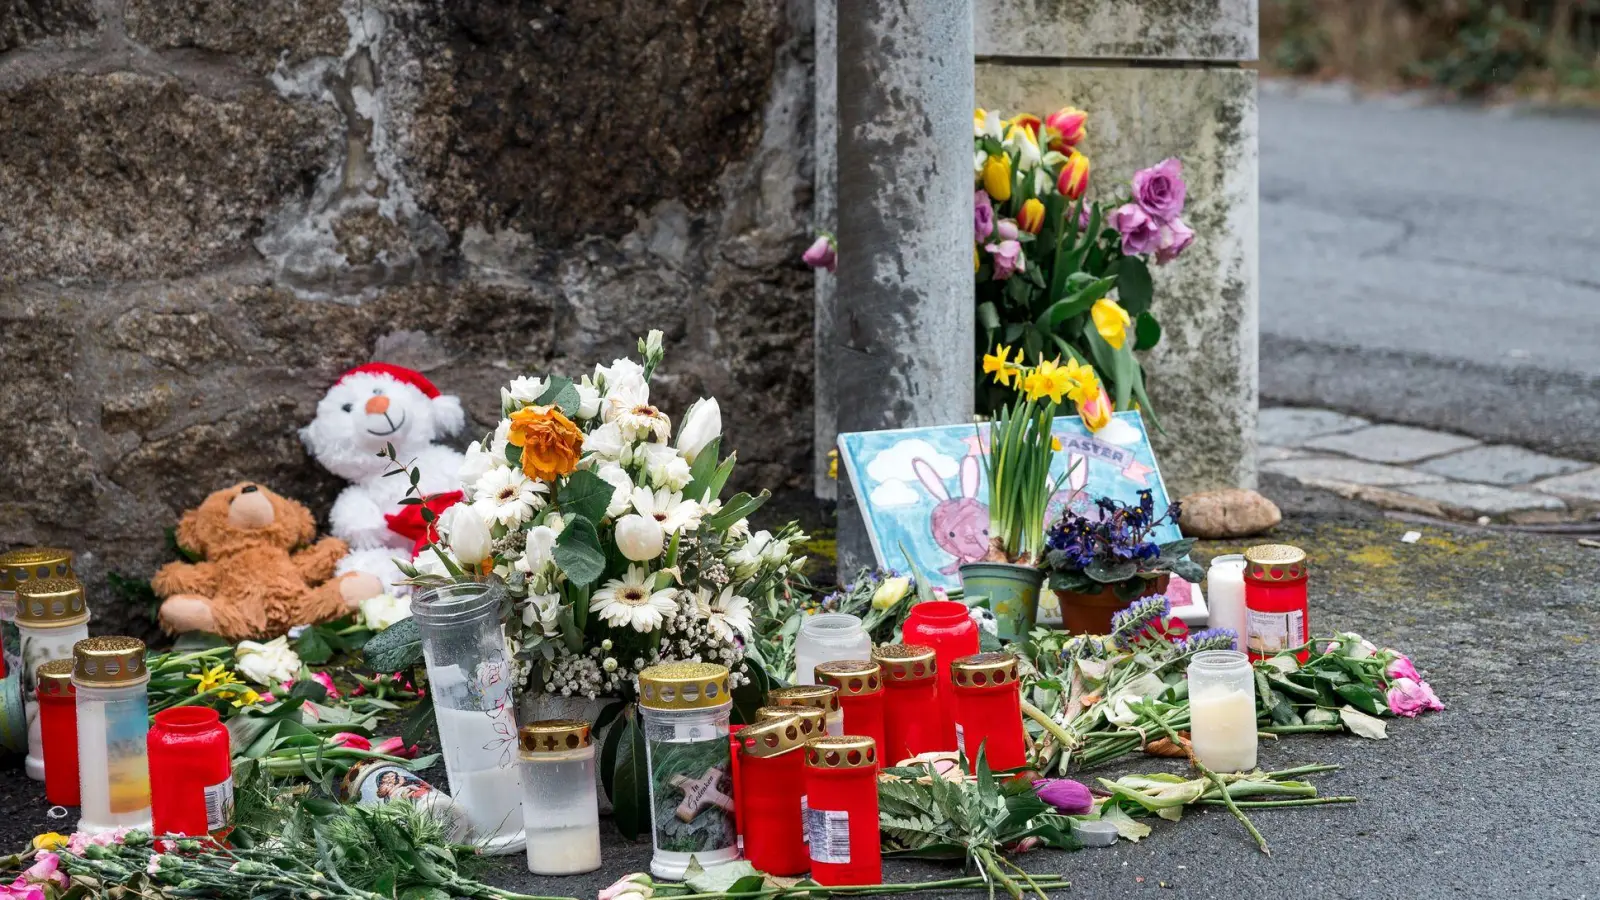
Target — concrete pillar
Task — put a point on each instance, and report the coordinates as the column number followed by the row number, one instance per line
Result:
column 825, row 217
column 903, row 314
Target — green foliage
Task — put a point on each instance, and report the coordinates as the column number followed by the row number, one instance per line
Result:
column 578, row 554
column 135, row 593
column 320, row 643
column 395, row 649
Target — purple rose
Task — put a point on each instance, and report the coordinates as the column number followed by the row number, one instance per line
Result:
column 1175, row 238
column 1160, row 189
column 1008, row 259
column 1084, row 218
column 1140, row 233
column 821, row 255
column 1007, row 229
column 982, row 216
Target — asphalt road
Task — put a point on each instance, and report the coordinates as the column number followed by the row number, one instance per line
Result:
column 1430, row 264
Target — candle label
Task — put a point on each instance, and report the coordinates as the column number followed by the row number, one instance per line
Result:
column 692, row 795
column 1273, row 632
column 805, row 817
column 127, row 759
column 219, row 805
column 961, row 739
column 828, row 833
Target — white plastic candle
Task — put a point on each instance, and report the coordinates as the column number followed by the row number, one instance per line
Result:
column 826, row 638
column 1222, row 711
column 1225, row 593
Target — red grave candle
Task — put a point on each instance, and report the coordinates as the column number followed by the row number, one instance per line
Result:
column 191, row 773
column 946, row 626
column 771, row 786
column 58, row 730
column 859, row 686
column 733, row 765
column 910, row 697
column 988, row 704
column 1277, row 611
column 841, row 777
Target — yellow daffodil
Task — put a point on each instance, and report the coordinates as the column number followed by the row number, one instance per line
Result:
column 1111, row 321
column 833, row 464
column 1055, row 443
column 1031, row 219
column 214, row 677
column 997, row 177
column 1048, row 379
column 248, row 698
column 999, row 365
column 50, row 840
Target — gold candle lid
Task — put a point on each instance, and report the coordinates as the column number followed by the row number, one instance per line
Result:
column 29, row 563
column 553, row 736
column 845, row 751
column 984, row 670
column 684, row 685
column 820, row 696
column 851, row 677
column 51, row 603
column 1275, row 563
column 813, row 722
column 109, row 662
column 905, row 662
column 774, row 737
column 55, row 678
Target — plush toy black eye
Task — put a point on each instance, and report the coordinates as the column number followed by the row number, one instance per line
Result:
column 347, row 407
column 377, row 392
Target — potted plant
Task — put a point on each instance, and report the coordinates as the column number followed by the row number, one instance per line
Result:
column 1101, row 562
column 1020, row 448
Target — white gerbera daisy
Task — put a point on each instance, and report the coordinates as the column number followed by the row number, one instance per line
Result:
column 727, row 614
column 508, row 497
column 667, row 507
column 630, row 602
column 643, row 422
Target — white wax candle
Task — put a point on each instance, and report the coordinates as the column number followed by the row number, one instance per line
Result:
column 1222, row 727
column 1225, row 590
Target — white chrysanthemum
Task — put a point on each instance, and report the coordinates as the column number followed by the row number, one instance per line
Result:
column 522, row 392
column 667, row 507
column 631, row 602
column 621, row 488
column 508, row 497
column 643, row 422
column 475, row 463
column 664, row 467
column 726, row 614
column 606, row 442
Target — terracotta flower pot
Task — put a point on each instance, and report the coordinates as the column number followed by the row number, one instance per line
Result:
column 1091, row 613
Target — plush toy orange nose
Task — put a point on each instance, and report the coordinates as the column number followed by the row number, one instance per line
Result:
column 378, row 405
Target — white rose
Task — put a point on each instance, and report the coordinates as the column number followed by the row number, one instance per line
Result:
column 640, row 538
column 606, row 442
column 267, row 664
column 701, row 425
column 621, row 488
column 545, row 611
column 469, row 535
column 588, row 399
column 665, row 467
column 382, row 610
column 539, row 550
column 475, row 464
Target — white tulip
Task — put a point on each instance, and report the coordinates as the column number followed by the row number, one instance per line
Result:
column 701, row 425
column 539, row 551
column 469, row 535
column 640, row 538
column 267, row 664
column 382, row 610
column 621, row 488
column 475, row 464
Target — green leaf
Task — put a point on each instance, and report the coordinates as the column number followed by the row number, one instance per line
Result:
column 514, row 455
column 1134, row 290
column 702, row 471
column 988, row 319
column 395, row 649
column 1362, row 724
column 585, row 494
column 1361, row 697
column 561, row 393
column 738, row 507
column 417, row 724
column 314, row 646
column 1146, row 332
column 1127, row 827
column 1075, row 305
column 735, row 877
column 423, row 892
column 1324, row 716
column 1111, row 573
column 577, row 553
column 631, row 799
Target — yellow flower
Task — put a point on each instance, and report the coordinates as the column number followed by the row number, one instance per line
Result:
column 249, row 698
column 1055, row 443
column 997, row 177
column 1084, row 382
column 1095, row 410
column 833, row 464
column 1111, row 321
column 1047, row 379
column 977, row 261
column 1031, row 219
column 890, row 592
column 999, row 364
column 214, row 677
column 50, row 840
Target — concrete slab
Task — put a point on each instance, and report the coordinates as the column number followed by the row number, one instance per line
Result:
column 1273, row 454
column 1290, row 426
column 1392, row 443
column 1324, row 469
column 1117, row 29
column 1582, row 485
column 1483, row 499
column 1501, row 464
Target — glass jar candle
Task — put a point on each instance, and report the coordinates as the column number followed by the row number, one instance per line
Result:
column 684, row 707
column 821, row 696
column 910, row 693
column 18, row 567
column 771, row 790
column 191, row 773
column 469, row 681
column 947, row 627
column 1225, row 590
column 560, row 808
column 111, row 682
column 51, row 618
column 1277, row 611
column 374, row 782
column 58, row 728
column 827, row 637
column 988, row 701
column 841, row 777
column 1222, row 710
column 859, row 686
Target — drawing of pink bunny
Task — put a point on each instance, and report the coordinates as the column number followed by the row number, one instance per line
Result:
column 960, row 526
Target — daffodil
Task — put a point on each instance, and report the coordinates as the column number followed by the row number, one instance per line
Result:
column 999, row 365
column 1046, row 380
column 214, row 677
column 997, row 177
column 248, row 698
column 1111, row 321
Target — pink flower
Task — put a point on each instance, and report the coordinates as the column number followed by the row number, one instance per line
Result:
column 1008, row 259
column 1067, row 796
column 1140, row 233
column 21, row 891
column 46, row 869
column 266, row 697
column 394, row 746
column 1007, row 229
column 1160, row 189
column 822, row 254
column 352, row 740
column 982, row 216
column 1401, row 667
column 1175, row 238
column 1407, row 697
column 326, row 680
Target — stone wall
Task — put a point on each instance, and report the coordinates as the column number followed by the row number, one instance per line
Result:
column 209, row 210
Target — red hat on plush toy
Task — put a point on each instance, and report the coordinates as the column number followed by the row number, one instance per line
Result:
column 398, row 373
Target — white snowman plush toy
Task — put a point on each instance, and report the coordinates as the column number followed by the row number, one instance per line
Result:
column 368, row 408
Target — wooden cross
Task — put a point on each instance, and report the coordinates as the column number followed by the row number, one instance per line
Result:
column 699, row 793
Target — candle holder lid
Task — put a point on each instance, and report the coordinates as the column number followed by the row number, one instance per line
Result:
column 813, row 722
column 684, row 685
column 554, row 736
column 984, row 670
column 55, row 678
column 29, row 563
column 1275, row 563
column 109, row 662
column 774, row 737
column 851, row 677
column 905, row 662
column 845, row 751
column 51, row 603
column 821, row 696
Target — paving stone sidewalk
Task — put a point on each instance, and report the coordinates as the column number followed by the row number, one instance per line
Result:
column 1429, row 472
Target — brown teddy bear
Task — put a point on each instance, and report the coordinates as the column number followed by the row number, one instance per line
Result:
column 253, row 583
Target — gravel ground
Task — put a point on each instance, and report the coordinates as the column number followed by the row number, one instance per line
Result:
column 1492, row 798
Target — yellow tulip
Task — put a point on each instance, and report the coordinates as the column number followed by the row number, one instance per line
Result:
column 997, row 177
column 50, row 840
column 1031, row 219
column 1111, row 321
column 1096, row 411
column 1074, row 177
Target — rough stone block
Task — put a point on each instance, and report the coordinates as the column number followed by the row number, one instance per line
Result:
column 1483, row 499
column 1117, row 29
column 25, row 22
column 1202, row 377
column 1287, row 426
column 1580, row 485
column 1501, row 464
column 1348, row 471
column 1391, row 443
column 261, row 33
column 126, row 176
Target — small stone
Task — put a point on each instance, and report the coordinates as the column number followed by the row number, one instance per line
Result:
column 1230, row 513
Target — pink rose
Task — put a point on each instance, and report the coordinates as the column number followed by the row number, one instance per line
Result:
column 1174, row 239
column 822, row 254
column 1140, row 233
column 1402, row 667
column 46, row 869
column 1007, row 229
column 1008, row 259
column 1160, row 189
column 982, row 216
column 1407, row 697
column 19, row 890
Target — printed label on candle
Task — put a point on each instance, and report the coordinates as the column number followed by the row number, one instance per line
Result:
column 219, row 805
column 692, row 793
column 1273, row 632
column 961, row 739
column 828, row 833
column 805, row 820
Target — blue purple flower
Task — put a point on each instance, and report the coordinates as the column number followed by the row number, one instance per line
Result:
column 1209, row 639
column 1129, row 624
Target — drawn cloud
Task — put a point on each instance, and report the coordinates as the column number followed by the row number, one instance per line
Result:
column 894, row 464
column 895, row 492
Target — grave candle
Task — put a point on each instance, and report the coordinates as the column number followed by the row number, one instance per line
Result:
column 859, row 683
column 58, row 729
column 51, row 618
column 1225, row 585
column 18, row 567
column 812, row 721
column 842, row 813
column 191, row 769
column 988, row 701
column 560, row 808
column 771, row 793
column 821, row 696
column 910, row 693
column 1222, row 710
column 947, row 627
column 684, row 709
column 111, row 681
column 1277, row 612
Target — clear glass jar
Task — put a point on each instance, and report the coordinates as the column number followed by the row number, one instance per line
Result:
column 1222, row 710
column 51, row 618
column 1225, row 595
column 560, row 806
column 825, row 638
column 469, row 680
column 684, row 710
column 113, row 722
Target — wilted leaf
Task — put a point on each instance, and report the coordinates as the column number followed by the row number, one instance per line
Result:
column 1362, row 724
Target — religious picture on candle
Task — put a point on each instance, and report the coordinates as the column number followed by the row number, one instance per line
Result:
column 691, row 786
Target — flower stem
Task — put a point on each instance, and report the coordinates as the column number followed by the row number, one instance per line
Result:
column 1267, row 804
column 1068, row 741
column 1299, row 729
column 1222, row 786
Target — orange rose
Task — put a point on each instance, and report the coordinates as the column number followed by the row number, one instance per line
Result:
column 550, row 442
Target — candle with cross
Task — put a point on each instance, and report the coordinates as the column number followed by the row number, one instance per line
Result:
column 699, row 793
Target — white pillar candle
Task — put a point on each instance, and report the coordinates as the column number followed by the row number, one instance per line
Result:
column 1225, row 595
column 1222, row 711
